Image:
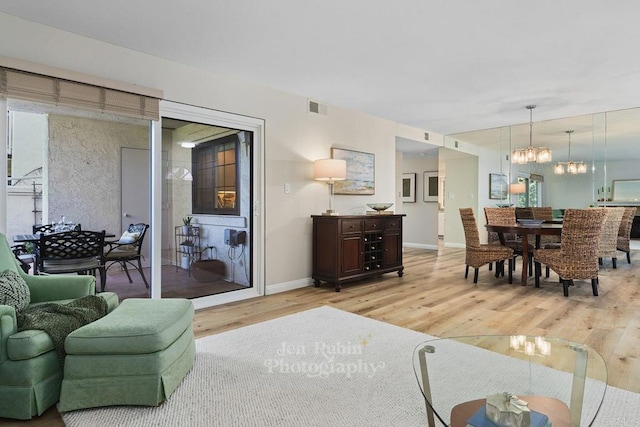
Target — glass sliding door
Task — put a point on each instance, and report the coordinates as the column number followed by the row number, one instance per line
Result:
column 210, row 192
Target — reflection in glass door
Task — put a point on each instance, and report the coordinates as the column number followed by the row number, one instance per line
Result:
column 207, row 206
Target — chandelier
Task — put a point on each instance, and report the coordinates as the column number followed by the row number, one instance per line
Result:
column 573, row 168
column 531, row 154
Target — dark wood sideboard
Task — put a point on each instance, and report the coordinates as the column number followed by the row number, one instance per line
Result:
column 353, row 247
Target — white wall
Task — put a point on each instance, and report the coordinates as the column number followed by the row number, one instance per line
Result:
column 420, row 226
column 293, row 139
column 461, row 192
column 84, row 164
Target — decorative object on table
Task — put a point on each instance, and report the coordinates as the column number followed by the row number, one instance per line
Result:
column 573, row 168
column 505, row 409
column 531, row 222
column 604, row 195
column 380, row 208
column 531, row 154
column 430, row 184
column 480, row 419
column 409, row 187
column 498, row 187
column 360, row 174
column 330, row 170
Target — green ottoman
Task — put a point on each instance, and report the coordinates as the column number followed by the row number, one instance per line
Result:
column 136, row 355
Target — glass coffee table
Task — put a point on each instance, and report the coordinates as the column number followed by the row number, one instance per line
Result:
column 562, row 379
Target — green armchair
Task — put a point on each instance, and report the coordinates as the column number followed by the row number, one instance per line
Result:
column 30, row 373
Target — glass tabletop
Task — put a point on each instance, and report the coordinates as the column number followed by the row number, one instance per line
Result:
column 562, row 379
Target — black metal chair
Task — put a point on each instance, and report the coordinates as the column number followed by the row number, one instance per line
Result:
column 25, row 258
column 127, row 250
column 72, row 252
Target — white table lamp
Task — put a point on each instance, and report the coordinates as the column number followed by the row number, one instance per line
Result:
column 330, row 170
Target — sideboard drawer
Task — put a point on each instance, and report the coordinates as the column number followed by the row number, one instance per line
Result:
column 351, row 226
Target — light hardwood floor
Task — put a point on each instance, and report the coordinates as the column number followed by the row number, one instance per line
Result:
column 433, row 297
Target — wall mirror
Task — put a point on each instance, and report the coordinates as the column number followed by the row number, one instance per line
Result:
column 604, row 142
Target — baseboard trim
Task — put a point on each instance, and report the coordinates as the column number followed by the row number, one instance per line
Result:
column 288, row 286
column 420, row 246
column 455, row 245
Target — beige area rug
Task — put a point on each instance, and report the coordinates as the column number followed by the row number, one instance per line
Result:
column 321, row 367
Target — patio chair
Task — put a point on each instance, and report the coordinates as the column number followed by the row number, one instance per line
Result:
column 545, row 213
column 127, row 250
column 72, row 252
column 477, row 254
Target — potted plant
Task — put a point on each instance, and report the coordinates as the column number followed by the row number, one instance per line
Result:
column 186, row 221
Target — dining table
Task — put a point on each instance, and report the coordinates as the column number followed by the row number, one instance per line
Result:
column 552, row 228
column 35, row 238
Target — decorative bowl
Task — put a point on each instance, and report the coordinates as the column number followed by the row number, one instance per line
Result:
column 379, row 206
column 531, row 222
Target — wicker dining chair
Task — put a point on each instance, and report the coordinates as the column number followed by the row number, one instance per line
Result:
column 524, row 213
column 577, row 257
column 609, row 239
column 478, row 254
column 624, row 232
column 506, row 216
column 545, row 213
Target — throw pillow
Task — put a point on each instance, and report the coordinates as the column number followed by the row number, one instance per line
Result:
column 14, row 290
column 128, row 237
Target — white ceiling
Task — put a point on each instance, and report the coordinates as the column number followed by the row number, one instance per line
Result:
column 443, row 66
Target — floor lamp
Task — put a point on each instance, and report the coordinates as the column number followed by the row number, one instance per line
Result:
column 330, row 170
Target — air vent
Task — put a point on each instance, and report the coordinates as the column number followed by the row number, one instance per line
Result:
column 317, row 108
column 426, row 136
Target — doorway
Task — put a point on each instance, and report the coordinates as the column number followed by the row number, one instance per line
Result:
column 211, row 178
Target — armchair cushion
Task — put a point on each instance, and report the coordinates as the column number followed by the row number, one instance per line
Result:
column 28, row 344
column 14, row 290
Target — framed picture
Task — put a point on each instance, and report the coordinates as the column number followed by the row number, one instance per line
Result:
column 409, row 187
column 430, row 186
column 361, row 172
column 498, row 186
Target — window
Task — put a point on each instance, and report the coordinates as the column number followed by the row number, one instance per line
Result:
column 532, row 196
column 215, row 177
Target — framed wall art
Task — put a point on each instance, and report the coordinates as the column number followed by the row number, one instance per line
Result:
column 361, row 172
column 409, row 187
column 430, row 186
column 498, row 186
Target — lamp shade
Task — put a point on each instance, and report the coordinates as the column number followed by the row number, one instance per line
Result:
column 330, row 170
column 517, row 188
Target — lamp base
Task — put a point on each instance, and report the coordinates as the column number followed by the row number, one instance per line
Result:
column 330, row 212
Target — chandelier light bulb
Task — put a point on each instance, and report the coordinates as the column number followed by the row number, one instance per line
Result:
column 531, row 154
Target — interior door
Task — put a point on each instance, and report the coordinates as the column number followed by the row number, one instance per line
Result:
column 135, row 167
